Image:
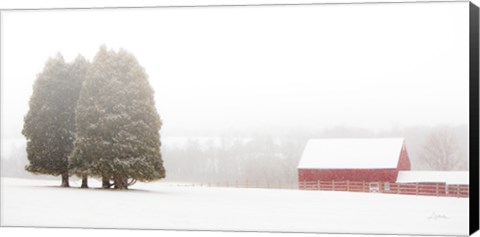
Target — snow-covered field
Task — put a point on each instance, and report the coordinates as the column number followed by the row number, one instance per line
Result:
column 161, row 205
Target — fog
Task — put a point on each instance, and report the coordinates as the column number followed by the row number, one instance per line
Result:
column 241, row 89
column 268, row 158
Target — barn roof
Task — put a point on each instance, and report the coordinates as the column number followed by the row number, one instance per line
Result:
column 449, row 177
column 366, row 153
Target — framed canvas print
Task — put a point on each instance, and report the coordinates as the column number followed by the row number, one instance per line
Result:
column 262, row 116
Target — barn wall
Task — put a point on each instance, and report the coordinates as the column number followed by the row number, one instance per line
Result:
column 404, row 160
column 359, row 175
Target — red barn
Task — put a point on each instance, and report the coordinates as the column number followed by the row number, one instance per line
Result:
column 356, row 160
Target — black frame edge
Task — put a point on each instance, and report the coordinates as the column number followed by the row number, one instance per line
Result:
column 474, row 117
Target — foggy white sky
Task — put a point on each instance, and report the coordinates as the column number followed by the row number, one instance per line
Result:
column 372, row 66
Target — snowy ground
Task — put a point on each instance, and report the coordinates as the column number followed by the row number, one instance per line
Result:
column 162, row 205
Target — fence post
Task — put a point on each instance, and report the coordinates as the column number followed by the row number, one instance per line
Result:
column 333, row 185
column 437, row 189
column 458, row 190
column 416, row 188
column 398, row 188
column 363, row 186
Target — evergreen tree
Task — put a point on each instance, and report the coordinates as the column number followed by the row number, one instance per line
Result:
column 117, row 123
column 78, row 71
column 49, row 125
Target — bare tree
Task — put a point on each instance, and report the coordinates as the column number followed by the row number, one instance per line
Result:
column 441, row 150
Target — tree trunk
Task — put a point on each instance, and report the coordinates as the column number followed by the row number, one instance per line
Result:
column 121, row 183
column 65, row 180
column 105, row 182
column 84, row 181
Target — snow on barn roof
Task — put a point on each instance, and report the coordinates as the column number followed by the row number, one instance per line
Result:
column 366, row 153
column 449, row 177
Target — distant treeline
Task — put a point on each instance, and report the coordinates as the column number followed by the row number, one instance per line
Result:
column 273, row 157
column 260, row 156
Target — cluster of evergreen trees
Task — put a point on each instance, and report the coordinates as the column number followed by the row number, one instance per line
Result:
column 94, row 119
